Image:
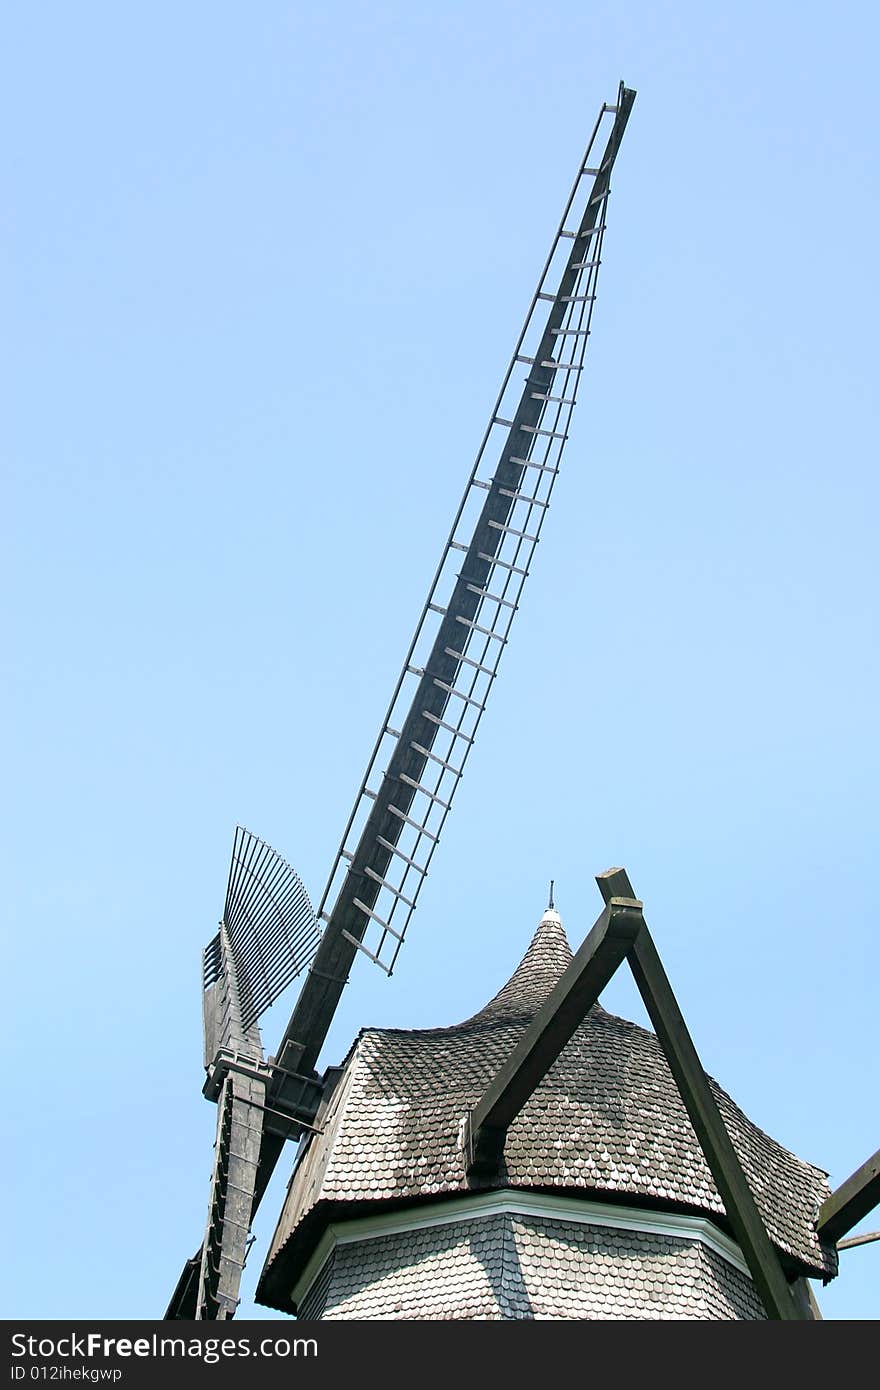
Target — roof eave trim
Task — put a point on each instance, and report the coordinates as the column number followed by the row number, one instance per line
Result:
column 506, row 1200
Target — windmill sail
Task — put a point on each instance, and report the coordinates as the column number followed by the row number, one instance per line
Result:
column 269, row 932
column 454, row 656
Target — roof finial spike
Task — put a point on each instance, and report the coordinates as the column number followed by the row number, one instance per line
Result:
column 550, row 904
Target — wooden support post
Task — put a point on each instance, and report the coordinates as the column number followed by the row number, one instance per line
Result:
column 693, row 1086
column 852, row 1200
column 802, row 1293
column 622, row 931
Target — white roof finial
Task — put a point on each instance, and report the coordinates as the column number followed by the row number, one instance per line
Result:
column 550, row 913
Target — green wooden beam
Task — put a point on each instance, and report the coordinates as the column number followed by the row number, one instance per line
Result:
column 614, row 883
column 852, row 1200
column 554, row 1024
column 693, row 1087
column 621, row 931
column 802, row 1293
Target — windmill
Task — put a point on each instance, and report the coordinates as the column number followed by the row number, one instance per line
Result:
column 269, row 933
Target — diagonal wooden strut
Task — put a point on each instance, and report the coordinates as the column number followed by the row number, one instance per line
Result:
column 693, row 1087
column 852, row 1200
column 554, row 1024
column 621, row 932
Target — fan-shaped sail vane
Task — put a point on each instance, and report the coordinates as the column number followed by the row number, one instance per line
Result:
column 270, row 922
column 267, row 936
column 453, row 658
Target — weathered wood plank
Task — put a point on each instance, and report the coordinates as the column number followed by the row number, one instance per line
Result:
column 724, row 1165
column 233, row 1183
column 693, row 1086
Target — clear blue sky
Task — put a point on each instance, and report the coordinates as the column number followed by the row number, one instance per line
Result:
column 263, row 269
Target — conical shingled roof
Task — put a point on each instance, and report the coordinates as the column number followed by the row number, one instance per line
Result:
column 606, row 1122
column 548, row 956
